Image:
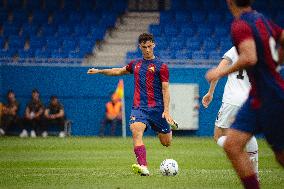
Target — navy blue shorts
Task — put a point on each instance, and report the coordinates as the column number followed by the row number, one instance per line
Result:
column 152, row 118
column 268, row 119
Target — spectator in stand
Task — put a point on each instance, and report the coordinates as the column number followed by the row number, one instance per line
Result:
column 10, row 115
column 113, row 115
column 54, row 115
column 33, row 115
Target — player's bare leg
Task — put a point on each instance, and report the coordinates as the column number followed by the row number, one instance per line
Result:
column 165, row 139
column 280, row 157
column 219, row 135
column 137, row 130
column 235, row 148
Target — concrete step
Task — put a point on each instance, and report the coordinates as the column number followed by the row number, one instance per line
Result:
column 143, row 14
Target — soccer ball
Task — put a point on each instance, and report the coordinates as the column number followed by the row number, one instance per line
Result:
column 169, row 167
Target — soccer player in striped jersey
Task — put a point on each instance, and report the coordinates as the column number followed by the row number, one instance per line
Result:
column 235, row 94
column 151, row 99
column 256, row 39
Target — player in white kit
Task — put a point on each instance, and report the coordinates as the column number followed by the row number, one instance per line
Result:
column 235, row 94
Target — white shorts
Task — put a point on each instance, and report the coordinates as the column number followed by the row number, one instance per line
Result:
column 226, row 115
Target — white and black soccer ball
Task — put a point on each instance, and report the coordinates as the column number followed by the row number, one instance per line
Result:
column 169, row 167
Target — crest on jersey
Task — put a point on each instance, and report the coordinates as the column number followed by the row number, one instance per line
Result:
column 151, row 69
column 132, row 118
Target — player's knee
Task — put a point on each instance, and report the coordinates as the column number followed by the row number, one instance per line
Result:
column 231, row 146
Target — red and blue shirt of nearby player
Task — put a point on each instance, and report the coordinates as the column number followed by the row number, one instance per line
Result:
column 148, row 103
column 264, row 109
column 148, row 76
column 264, row 76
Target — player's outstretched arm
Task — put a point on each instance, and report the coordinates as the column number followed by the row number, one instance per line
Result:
column 109, row 72
column 206, row 100
column 247, row 57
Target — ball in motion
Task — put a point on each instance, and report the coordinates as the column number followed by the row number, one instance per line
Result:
column 169, row 167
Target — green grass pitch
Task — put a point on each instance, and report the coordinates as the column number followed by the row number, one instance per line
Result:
column 106, row 163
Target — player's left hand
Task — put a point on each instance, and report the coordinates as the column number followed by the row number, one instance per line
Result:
column 93, row 71
column 168, row 117
column 213, row 74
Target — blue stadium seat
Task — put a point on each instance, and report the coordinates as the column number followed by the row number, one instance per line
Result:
column 16, row 42
column 204, row 32
column 64, row 30
column 193, row 4
column 20, row 15
column 48, row 30
column 171, row 30
column 75, row 17
column 87, row 4
column 33, row 4
column 3, row 15
column 178, row 5
column 69, row 45
column 7, row 53
column 133, row 55
column 26, row 53
column 29, row 29
column 37, row 42
column 221, row 31
column 71, row 4
column 156, row 30
column 193, row 45
column 53, row 44
column 214, row 17
column 42, row 54
column 52, row 5
column 210, row 44
column 165, row 55
column 10, row 30
column 176, row 46
column 182, row 17
column 81, row 30
column 166, row 17
column 214, row 55
column 209, row 5
column 183, row 55
column 39, row 16
column 198, row 16
column 59, row 54
column 187, row 30
column 199, row 55
column 97, row 33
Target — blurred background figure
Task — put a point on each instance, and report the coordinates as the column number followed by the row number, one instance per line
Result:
column 54, row 116
column 113, row 115
column 10, row 115
column 33, row 115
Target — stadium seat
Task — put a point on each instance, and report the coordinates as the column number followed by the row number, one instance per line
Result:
column 199, row 55
column 214, row 55
column 183, row 55
column 25, row 53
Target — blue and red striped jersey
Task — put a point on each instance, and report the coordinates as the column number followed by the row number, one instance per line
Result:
column 264, row 77
column 148, row 78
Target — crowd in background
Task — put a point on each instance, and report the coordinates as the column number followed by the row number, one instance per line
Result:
column 36, row 119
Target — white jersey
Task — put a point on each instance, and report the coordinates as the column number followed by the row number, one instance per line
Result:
column 238, row 86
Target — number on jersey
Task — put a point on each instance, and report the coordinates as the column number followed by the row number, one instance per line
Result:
column 240, row 75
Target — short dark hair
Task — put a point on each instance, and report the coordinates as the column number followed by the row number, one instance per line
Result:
column 243, row 3
column 53, row 97
column 10, row 91
column 145, row 37
column 35, row 91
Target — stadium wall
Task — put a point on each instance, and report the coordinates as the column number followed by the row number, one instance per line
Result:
column 84, row 96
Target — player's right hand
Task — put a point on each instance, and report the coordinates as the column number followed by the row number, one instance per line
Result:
column 206, row 100
column 93, row 71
